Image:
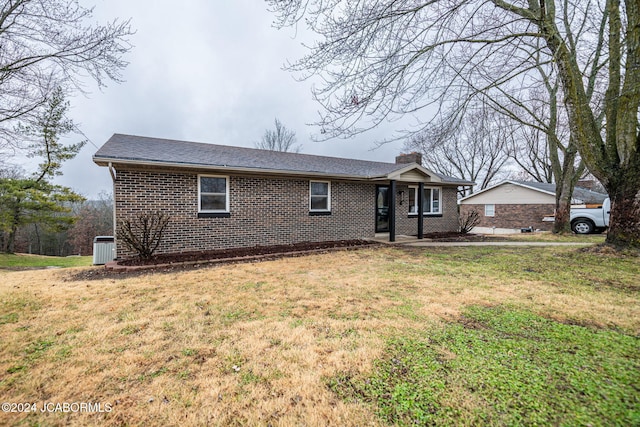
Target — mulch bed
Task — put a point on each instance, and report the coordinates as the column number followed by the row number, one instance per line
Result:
column 276, row 249
column 169, row 263
column 241, row 253
column 188, row 257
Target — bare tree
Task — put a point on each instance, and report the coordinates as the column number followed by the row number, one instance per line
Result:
column 530, row 153
column 50, row 44
column 95, row 218
column 384, row 59
column 279, row 139
column 473, row 147
column 546, row 151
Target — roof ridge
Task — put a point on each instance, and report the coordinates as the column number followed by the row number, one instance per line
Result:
column 253, row 149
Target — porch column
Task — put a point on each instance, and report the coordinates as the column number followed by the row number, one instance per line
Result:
column 392, row 210
column 419, row 202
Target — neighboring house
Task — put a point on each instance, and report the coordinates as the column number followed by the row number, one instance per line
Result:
column 221, row 196
column 512, row 205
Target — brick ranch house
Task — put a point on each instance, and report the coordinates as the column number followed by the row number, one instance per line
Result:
column 512, row 205
column 220, row 197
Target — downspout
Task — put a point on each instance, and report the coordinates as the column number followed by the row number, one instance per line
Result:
column 112, row 172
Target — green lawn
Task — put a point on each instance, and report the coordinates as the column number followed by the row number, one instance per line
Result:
column 550, row 237
column 24, row 261
column 502, row 366
column 380, row 336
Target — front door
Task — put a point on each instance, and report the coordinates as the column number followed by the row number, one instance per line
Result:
column 382, row 208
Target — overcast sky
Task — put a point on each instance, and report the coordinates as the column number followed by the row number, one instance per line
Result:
column 202, row 71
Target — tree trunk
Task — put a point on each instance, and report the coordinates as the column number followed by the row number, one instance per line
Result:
column 566, row 177
column 38, row 241
column 562, row 224
column 624, row 192
column 15, row 222
column 624, row 228
column 623, row 169
column 11, row 239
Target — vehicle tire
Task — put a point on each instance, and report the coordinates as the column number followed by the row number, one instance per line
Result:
column 582, row 226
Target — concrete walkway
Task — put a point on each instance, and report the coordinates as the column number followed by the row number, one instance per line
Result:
column 402, row 240
column 427, row 243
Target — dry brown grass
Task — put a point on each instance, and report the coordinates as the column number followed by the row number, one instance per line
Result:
column 245, row 344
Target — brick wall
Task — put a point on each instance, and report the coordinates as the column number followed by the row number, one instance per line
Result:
column 514, row 216
column 264, row 211
column 408, row 224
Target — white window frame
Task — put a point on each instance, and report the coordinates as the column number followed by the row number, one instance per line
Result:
column 413, row 210
column 200, row 193
column 328, row 196
column 490, row 210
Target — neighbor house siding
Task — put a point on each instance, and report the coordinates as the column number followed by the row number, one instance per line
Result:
column 506, row 194
column 263, row 210
column 513, row 216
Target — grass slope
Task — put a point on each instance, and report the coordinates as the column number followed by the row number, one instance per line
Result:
column 24, row 261
column 501, row 336
column 498, row 366
column 550, row 237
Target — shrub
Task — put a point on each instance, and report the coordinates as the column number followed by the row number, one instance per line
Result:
column 468, row 220
column 143, row 234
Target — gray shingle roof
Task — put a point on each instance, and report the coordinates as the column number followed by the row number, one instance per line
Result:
column 580, row 195
column 145, row 150
column 544, row 186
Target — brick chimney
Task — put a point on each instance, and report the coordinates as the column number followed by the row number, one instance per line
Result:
column 413, row 157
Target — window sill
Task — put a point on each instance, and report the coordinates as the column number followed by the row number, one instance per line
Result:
column 319, row 213
column 426, row 215
column 214, row 215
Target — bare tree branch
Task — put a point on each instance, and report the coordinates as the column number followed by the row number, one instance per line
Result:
column 383, row 60
column 47, row 44
column 474, row 147
column 280, row 139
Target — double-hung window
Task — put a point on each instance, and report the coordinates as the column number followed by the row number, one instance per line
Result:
column 431, row 201
column 213, row 194
column 490, row 210
column 319, row 196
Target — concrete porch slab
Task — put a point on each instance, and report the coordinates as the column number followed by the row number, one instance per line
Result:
column 400, row 238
